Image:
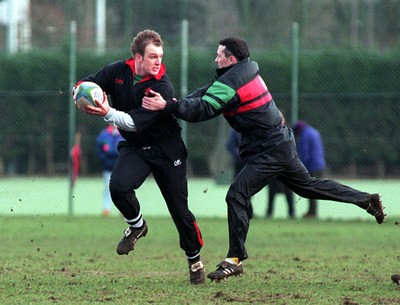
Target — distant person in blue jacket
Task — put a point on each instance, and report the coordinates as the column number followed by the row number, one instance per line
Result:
column 106, row 148
column 311, row 152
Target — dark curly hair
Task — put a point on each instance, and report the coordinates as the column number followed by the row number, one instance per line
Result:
column 236, row 47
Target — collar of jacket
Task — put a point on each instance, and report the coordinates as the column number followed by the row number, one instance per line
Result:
column 221, row 71
column 131, row 63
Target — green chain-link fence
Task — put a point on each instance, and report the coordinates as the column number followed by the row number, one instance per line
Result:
column 351, row 100
column 350, row 94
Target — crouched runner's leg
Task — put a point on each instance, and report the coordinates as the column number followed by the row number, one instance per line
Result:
column 129, row 173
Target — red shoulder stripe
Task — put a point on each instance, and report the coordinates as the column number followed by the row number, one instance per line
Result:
column 253, row 95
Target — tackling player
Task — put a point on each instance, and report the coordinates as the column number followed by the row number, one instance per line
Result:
column 267, row 147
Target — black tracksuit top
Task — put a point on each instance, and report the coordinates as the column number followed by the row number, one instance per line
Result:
column 240, row 94
column 116, row 79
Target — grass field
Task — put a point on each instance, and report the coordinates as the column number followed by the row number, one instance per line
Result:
column 49, row 196
column 48, row 257
column 72, row 260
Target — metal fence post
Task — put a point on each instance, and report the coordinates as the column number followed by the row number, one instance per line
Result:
column 295, row 73
column 72, row 80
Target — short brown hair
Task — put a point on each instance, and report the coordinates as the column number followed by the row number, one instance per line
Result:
column 144, row 38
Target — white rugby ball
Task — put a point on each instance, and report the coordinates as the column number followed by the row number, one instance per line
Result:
column 85, row 94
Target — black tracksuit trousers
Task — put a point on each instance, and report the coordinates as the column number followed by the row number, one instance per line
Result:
column 256, row 174
column 167, row 162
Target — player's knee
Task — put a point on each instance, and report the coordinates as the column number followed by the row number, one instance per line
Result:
column 239, row 203
column 115, row 191
column 118, row 184
column 233, row 196
column 118, row 194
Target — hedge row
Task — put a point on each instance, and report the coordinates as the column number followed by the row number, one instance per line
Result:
column 352, row 98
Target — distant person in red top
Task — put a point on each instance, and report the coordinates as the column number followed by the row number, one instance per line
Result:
column 76, row 154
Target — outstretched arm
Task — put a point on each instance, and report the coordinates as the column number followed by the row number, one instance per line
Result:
column 192, row 108
column 120, row 119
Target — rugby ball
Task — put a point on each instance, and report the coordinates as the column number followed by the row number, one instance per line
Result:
column 86, row 92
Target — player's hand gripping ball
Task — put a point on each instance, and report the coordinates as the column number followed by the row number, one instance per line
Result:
column 85, row 93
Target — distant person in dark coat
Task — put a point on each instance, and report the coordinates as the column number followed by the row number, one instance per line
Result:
column 311, row 152
column 276, row 187
column 233, row 148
